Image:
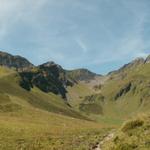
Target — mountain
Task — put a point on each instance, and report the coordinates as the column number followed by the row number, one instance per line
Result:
column 125, row 92
column 81, row 75
column 41, row 107
column 131, row 65
column 11, row 61
column 48, row 77
column 38, row 120
column 84, row 90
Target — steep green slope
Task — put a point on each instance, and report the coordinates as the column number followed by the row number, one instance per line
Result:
column 129, row 90
column 125, row 93
column 20, row 98
column 37, row 120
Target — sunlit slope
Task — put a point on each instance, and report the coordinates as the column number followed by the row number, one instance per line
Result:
column 125, row 93
column 36, row 120
column 129, row 90
column 14, row 98
column 77, row 92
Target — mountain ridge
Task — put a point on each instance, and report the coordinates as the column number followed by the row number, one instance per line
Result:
column 137, row 61
column 6, row 55
column 16, row 61
column 48, row 77
column 49, row 104
column 51, row 77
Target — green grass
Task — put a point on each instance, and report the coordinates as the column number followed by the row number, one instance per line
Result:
column 36, row 129
column 37, row 120
column 34, row 120
column 9, row 86
column 119, row 103
column 134, row 134
column 77, row 93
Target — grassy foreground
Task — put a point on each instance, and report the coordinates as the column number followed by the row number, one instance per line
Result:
column 40, row 130
column 133, row 135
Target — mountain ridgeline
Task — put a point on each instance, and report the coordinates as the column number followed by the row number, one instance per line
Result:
column 48, row 77
column 17, row 62
column 51, row 77
column 126, row 91
column 49, row 104
column 81, row 75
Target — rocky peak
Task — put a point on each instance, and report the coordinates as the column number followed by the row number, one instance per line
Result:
column 11, row 61
column 51, row 64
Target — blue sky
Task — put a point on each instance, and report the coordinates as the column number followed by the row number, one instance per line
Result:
column 100, row 35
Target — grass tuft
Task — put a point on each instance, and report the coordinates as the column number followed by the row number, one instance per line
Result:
column 132, row 125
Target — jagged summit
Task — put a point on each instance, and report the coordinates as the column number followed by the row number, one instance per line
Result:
column 11, row 61
column 51, row 64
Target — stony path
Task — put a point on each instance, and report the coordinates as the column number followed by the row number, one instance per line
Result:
column 105, row 139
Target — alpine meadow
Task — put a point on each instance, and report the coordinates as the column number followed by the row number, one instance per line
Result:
column 74, row 75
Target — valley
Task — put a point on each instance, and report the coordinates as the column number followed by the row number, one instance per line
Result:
column 46, row 107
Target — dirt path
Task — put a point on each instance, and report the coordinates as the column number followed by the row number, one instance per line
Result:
column 105, row 139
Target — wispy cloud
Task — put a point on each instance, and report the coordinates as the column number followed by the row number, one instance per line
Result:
column 82, row 45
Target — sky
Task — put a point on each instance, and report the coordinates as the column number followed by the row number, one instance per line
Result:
column 100, row 35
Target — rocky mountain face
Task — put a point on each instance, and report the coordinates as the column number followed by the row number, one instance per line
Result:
column 48, row 77
column 51, row 77
column 11, row 61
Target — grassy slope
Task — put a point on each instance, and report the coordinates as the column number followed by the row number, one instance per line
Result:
column 36, row 129
column 117, row 108
column 10, row 89
column 36, row 120
column 134, row 134
column 115, row 111
column 37, row 110
column 136, row 99
column 77, row 93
